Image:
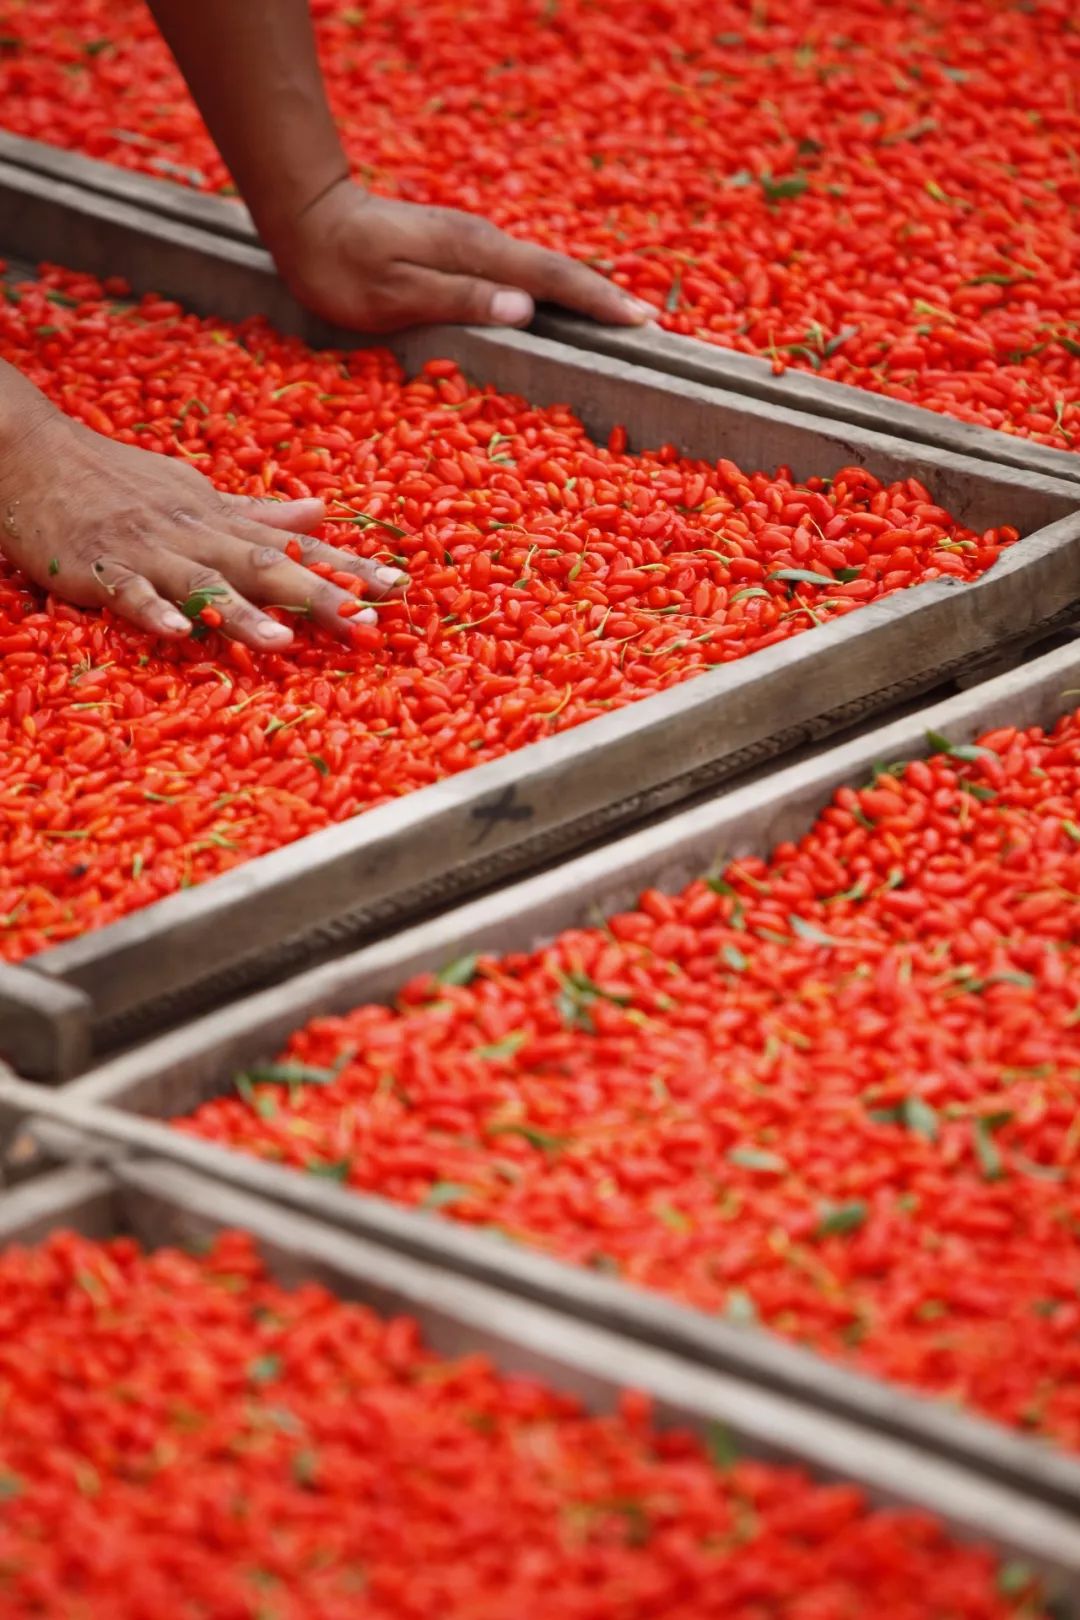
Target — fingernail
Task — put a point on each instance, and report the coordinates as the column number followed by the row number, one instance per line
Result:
column 365, row 616
column 510, row 308
column 389, row 576
column 640, row 307
column 171, row 620
column 275, row 635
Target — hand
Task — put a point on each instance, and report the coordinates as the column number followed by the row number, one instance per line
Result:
column 376, row 265
column 107, row 525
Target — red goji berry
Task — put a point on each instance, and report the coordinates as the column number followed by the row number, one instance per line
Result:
column 202, row 754
column 833, row 1091
column 795, row 208
column 298, row 1455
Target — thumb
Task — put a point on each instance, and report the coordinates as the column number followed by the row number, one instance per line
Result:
column 505, row 306
column 300, row 517
column 520, row 269
column 436, row 295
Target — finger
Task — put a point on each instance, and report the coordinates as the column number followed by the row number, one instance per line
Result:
column 438, row 295
column 200, row 585
column 294, row 516
column 265, row 574
column 305, row 550
column 487, row 255
column 134, row 598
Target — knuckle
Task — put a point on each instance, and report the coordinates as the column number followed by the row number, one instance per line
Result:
column 312, row 550
column 137, row 592
column 475, row 239
column 245, row 618
column 346, row 562
column 265, row 557
column 109, row 570
column 475, row 228
column 243, row 508
column 182, row 516
column 202, row 578
column 116, row 584
column 326, row 598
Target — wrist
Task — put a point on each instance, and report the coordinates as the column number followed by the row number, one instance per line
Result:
column 25, row 416
column 283, row 212
column 300, row 241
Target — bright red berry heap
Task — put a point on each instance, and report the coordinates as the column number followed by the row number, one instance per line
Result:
column 835, row 1092
column 886, row 194
column 174, row 1425
column 551, row 580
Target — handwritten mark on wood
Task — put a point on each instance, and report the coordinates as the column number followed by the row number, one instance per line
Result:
column 504, row 808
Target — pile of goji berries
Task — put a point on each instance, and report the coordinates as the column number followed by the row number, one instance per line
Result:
column 551, row 580
column 181, row 1426
column 835, row 1092
column 886, row 194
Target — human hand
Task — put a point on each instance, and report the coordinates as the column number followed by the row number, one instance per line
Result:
column 108, row 525
column 376, row 265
